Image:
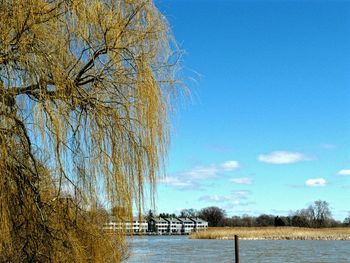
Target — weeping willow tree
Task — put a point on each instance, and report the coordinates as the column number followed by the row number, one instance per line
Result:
column 85, row 88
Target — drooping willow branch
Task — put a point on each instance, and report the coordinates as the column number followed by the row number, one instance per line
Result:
column 85, row 91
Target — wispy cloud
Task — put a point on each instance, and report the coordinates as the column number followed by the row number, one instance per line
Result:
column 230, row 165
column 328, row 146
column 214, row 198
column 210, row 171
column 192, row 178
column 283, row 157
column 344, row 172
column 178, row 182
column 219, row 148
column 201, row 172
column 235, row 198
column 242, row 194
column 242, row 180
column 316, row 182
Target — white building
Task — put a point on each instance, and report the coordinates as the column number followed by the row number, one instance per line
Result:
column 174, row 225
column 136, row 226
column 199, row 224
column 139, row 225
column 157, row 225
column 188, row 225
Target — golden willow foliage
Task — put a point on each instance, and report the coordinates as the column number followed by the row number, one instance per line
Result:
column 85, row 87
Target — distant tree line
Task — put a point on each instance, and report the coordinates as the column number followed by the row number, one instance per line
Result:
column 316, row 215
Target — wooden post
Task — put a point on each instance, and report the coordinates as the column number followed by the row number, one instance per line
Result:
column 236, row 249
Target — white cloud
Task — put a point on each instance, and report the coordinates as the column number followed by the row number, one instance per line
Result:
column 315, row 182
column 283, row 157
column 230, row 165
column 241, row 194
column 210, row 171
column 178, row 182
column 242, row 180
column 344, row 172
column 202, row 172
column 214, row 198
column 235, row 198
column 193, row 178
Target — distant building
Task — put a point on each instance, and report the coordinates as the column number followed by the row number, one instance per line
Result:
column 112, row 225
column 136, row 226
column 174, row 225
column 140, row 226
column 158, row 225
column 199, row 224
column 188, row 225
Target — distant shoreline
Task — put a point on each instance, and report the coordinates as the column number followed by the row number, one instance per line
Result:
column 273, row 233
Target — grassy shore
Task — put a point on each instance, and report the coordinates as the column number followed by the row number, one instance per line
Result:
column 274, row 233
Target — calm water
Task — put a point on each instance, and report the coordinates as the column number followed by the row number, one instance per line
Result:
column 180, row 249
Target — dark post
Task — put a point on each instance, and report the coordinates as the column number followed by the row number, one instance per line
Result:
column 236, row 249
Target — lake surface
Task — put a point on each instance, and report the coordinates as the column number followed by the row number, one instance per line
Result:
column 180, row 249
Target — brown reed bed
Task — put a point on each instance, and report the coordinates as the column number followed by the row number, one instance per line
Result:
column 274, row 233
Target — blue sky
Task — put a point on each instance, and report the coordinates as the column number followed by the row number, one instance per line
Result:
column 267, row 127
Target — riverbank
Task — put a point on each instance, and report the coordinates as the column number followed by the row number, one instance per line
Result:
column 274, row 233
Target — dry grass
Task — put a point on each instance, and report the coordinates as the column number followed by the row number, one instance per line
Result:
column 274, row 233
